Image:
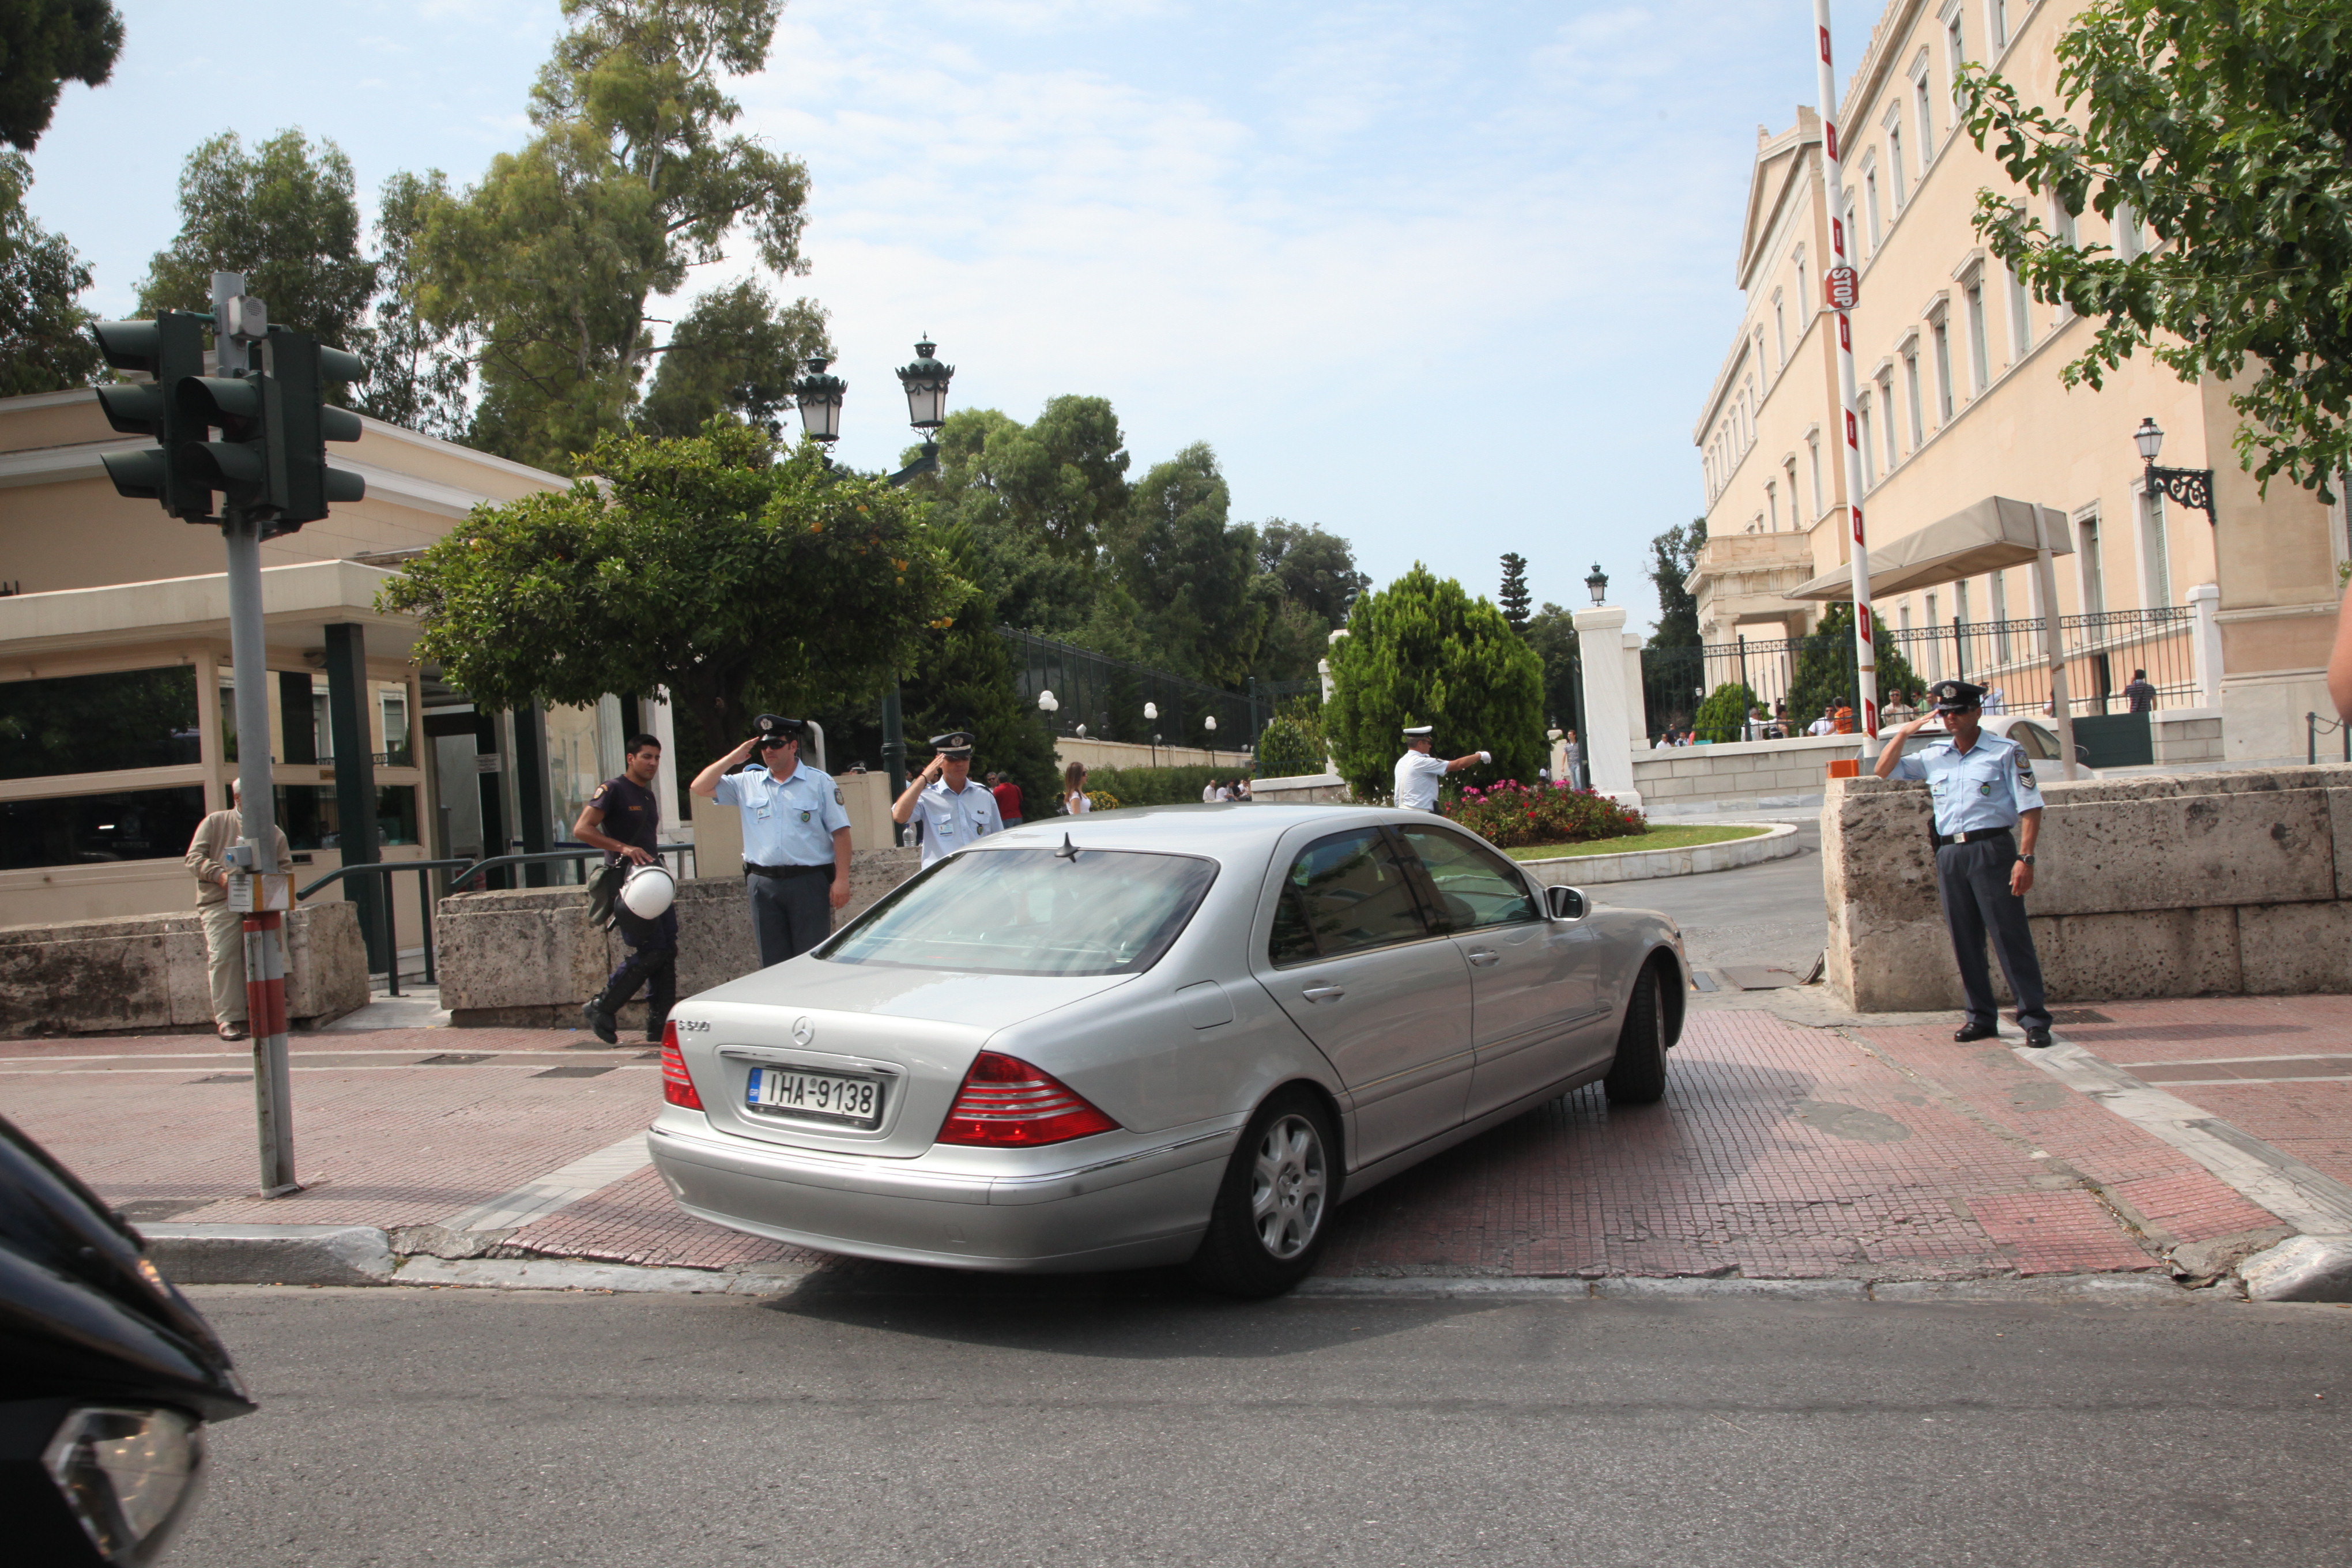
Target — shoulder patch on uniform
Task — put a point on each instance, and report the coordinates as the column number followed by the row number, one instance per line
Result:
column 2025, row 772
column 837, row 797
column 598, row 798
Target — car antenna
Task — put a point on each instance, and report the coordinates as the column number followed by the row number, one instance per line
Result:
column 1068, row 851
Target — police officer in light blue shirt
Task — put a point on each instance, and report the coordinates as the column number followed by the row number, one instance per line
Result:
column 947, row 808
column 795, row 838
column 1987, row 809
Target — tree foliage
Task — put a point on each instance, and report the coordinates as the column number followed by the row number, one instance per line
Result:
column 44, row 43
column 1422, row 651
column 1551, row 632
column 1724, row 715
column 962, row 678
column 1513, row 598
column 2226, row 127
column 1673, row 556
column 1824, row 676
column 629, row 179
column 416, row 372
column 1189, row 570
column 736, row 351
column 45, row 344
column 282, row 215
column 702, row 565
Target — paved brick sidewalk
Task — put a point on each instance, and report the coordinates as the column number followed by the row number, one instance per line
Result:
column 1781, row 1152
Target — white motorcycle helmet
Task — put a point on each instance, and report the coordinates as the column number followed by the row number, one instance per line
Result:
column 648, row 891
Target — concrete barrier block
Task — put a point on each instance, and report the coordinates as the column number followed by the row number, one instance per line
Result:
column 2289, row 950
column 2178, row 852
column 2117, row 957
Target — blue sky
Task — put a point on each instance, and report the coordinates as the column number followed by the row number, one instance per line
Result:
column 1447, row 281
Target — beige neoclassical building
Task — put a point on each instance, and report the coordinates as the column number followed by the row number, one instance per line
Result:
column 1961, row 400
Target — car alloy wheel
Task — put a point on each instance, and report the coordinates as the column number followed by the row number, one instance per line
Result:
column 1288, row 1187
column 1638, row 1076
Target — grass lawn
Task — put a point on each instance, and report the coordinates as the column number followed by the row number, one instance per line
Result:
column 1656, row 838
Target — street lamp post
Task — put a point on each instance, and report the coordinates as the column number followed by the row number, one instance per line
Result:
column 1151, row 716
column 1579, row 770
column 2189, row 487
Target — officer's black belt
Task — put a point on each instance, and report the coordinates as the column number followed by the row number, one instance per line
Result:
column 1971, row 837
column 825, row 870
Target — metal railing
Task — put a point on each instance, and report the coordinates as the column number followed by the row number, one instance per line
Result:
column 382, row 914
column 2314, row 726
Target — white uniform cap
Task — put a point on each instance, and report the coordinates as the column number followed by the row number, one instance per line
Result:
column 1418, row 731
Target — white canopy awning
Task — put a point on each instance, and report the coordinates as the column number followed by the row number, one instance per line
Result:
column 1995, row 532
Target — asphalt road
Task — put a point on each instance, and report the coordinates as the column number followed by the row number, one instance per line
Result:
column 917, row 1417
column 1772, row 915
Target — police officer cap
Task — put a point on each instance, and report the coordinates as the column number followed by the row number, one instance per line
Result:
column 954, row 743
column 1952, row 695
column 774, row 729
column 1415, row 731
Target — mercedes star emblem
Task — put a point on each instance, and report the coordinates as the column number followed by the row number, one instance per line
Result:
column 802, row 1030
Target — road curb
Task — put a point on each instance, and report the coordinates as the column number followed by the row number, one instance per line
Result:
column 2305, row 1269
column 270, row 1253
column 1778, row 841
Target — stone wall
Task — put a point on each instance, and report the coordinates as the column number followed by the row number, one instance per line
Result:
column 1740, row 772
column 150, row 972
column 2185, row 884
column 530, row 958
column 1299, row 789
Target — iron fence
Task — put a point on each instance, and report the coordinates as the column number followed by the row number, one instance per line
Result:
column 1108, row 696
column 2106, row 655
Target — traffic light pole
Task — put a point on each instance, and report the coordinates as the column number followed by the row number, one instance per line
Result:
column 265, row 945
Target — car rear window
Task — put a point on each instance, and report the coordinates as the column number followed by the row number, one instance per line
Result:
column 1033, row 912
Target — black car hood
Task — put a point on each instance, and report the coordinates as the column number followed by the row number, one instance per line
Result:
column 83, row 1312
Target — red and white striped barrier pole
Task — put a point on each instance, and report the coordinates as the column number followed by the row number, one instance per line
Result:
column 1841, row 289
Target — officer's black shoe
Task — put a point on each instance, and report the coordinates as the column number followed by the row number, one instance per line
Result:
column 1976, row 1032
column 600, row 1022
column 2037, row 1038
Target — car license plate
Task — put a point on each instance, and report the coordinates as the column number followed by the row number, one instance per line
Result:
column 815, row 1096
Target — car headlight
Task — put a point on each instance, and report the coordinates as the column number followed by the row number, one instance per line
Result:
column 126, row 1474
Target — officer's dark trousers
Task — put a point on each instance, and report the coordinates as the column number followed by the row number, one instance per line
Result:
column 652, row 962
column 1973, row 880
column 790, row 914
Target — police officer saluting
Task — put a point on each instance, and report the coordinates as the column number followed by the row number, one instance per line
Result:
column 948, row 809
column 1418, row 771
column 1987, row 815
column 795, row 838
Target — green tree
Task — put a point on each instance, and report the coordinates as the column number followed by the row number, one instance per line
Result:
column 1422, row 651
column 552, row 261
column 44, row 43
column 1191, row 571
column 283, row 215
column 416, row 373
column 1311, row 568
column 2225, row 126
column 738, row 351
column 1825, row 673
column 1724, row 715
column 1514, row 596
column 45, row 343
column 963, row 680
column 1673, row 556
column 1551, row 632
column 703, row 564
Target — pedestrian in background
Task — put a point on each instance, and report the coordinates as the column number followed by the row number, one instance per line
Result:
column 948, row 809
column 2139, row 697
column 225, row 927
column 1988, row 816
column 795, row 838
column 623, row 818
column 1074, row 791
column 1574, row 755
column 1008, row 798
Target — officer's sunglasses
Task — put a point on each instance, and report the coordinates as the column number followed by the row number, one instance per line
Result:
column 777, row 743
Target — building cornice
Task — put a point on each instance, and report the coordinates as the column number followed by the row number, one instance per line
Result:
column 61, row 465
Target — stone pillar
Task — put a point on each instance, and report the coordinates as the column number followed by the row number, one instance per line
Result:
column 533, row 788
column 1607, row 751
column 1637, row 706
column 2205, row 642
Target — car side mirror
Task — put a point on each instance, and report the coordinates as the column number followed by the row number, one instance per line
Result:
column 1567, row 904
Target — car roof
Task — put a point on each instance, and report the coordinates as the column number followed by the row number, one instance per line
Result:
column 1220, row 830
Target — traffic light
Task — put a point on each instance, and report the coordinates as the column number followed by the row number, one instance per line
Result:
column 270, row 462
column 170, row 349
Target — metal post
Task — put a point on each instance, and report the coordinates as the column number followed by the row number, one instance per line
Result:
column 265, row 968
column 2053, row 644
column 531, row 789
column 1959, row 651
column 2311, row 740
column 894, row 745
column 1865, row 653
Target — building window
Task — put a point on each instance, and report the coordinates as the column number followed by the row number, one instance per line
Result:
column 1979, row 349
column 100, row 829
column 1780, row 330
column 1862, row 412
column 1887, row 420
column 395, row 708
column 1804, row 295
column 1956, row 54
column 1942, row 331
column 1935, row 642
column 1911, row 390
column 2156, row 565
column 98, row 723
column 1773, row 506
column 2128, row 247
column 1894, row 153
column 2094, row 590
column 1788, row 466
column 1847, row 236
column 1924, row 104
column 1870, row 201
column 1813, row 452
column 2020, row 318
column 1996, row 24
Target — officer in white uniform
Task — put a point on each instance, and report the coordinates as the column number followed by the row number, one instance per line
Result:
column 1987, row 815
column 947, row 808
column 1418, row 773
column 795, row 838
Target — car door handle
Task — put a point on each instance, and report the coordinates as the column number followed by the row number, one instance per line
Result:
column 1322, row 992
column 1484, row 957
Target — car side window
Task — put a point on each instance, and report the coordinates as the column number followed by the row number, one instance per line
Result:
column 1475, row 887
column 2040, row 744
column 1344, row 894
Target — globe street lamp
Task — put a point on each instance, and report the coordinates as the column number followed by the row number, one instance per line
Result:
column 2189, row 487
column 1151, row 716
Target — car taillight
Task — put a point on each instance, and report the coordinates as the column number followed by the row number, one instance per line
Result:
column 678, row 1084
column 1006, row 1103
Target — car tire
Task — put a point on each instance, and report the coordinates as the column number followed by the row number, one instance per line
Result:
column 1274, row 1206
column 1638, row 1076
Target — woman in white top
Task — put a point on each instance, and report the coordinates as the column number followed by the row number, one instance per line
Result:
column 1074, row 784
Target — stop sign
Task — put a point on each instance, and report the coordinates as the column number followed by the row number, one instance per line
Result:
column 1843, row 285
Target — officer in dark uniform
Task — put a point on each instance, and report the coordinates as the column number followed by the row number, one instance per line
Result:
column 795, row 838
column 1988, row 816
column 623, row 818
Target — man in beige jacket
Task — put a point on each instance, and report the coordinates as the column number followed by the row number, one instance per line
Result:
column 225, row 927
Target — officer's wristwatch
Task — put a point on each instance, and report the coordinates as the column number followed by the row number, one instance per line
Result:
column 2025, row 860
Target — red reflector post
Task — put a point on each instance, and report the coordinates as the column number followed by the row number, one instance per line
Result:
column 1006, row 1103
column 678, row 1084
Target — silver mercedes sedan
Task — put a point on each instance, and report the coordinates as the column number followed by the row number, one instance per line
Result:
column 1153, row 1037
